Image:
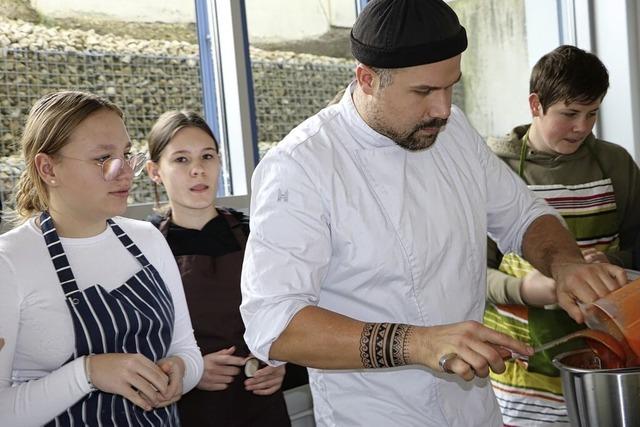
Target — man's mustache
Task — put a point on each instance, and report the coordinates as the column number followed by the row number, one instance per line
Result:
column 433, row 123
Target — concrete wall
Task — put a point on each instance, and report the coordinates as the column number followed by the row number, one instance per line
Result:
column 495, row 68
column 126, row 10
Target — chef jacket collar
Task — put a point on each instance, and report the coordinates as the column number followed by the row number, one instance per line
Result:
column 367, row 136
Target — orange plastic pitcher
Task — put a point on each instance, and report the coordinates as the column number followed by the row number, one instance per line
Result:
column 619, row 315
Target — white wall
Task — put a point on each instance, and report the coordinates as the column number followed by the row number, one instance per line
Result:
column 126, row 10
column 495, row 66
column 616, row 44
column 541, row 14
column 343, row 12
column 285, row 20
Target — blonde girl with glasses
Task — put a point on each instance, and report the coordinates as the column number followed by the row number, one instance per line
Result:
column 92, row 308
column 208, row 243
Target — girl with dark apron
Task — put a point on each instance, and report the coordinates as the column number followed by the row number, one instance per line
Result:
column 208, row 244
column 212, row 287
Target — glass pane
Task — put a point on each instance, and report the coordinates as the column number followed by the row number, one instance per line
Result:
column 300, row 59
column 141, row 55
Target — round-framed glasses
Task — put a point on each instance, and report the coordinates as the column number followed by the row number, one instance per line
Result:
column 112, row 166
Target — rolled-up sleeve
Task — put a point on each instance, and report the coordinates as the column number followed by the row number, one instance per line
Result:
column 511, row 206
column 288, row 250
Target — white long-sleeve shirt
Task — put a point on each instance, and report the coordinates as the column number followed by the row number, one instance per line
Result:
column 37, row 326
column 345, row 219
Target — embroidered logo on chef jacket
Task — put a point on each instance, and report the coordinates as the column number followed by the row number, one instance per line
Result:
column 283, row 196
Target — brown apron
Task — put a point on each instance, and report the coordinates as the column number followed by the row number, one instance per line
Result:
column 212, row 289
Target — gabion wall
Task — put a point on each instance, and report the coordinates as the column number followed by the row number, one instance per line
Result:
column 143, row 86
column 287, row 87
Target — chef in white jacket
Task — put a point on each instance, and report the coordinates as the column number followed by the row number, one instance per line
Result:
column 366, row 259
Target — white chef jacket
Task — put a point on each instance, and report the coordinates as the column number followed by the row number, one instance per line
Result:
column 345, row 219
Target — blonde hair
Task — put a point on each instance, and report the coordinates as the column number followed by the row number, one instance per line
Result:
column 163, row 131
column 50, row 123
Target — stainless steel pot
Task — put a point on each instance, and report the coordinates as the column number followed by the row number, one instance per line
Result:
column 599, row 397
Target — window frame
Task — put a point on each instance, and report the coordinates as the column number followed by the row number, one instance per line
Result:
column 228, row 94
column 594, row 26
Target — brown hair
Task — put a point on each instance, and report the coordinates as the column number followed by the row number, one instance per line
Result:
column 568, row 74
column 165, row 128
column 50, row 123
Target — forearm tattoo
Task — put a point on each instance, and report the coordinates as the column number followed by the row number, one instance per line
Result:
column 384, row 345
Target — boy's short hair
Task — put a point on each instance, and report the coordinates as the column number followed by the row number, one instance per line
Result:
column 568, row 74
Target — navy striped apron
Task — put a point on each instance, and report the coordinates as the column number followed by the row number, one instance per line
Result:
column 136, row 317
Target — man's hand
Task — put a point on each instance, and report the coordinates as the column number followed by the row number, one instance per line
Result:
column 219, row 369
column 174, row 367
column 1, row 343
column 594, row 255
column 477, row 348
column 582, row 282
column 550, row 248
column 538, row 290
column 266, row 381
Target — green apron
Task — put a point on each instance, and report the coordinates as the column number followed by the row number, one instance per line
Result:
column 589, row 210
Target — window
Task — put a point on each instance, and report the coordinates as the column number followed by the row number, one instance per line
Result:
column 228, row 94
column 274, row 64
column 507, row 37
column 256, row 69
column 141, row 55
column 300, row 59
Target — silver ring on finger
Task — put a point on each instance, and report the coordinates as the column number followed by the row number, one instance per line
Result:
column 444, row 362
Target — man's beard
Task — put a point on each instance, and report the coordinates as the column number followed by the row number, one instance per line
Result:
column 411, row 140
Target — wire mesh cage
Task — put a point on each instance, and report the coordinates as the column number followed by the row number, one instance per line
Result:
column 286, row 90
column 144, row 86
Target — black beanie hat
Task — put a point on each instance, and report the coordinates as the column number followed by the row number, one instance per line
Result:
column 404, row 33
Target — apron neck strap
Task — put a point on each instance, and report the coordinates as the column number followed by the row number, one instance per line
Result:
column 523, row 154
column 58, row 257
column 60, row 260
column 235, row 226
column 589, row 143
column 165, row 221
column 128, row 243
